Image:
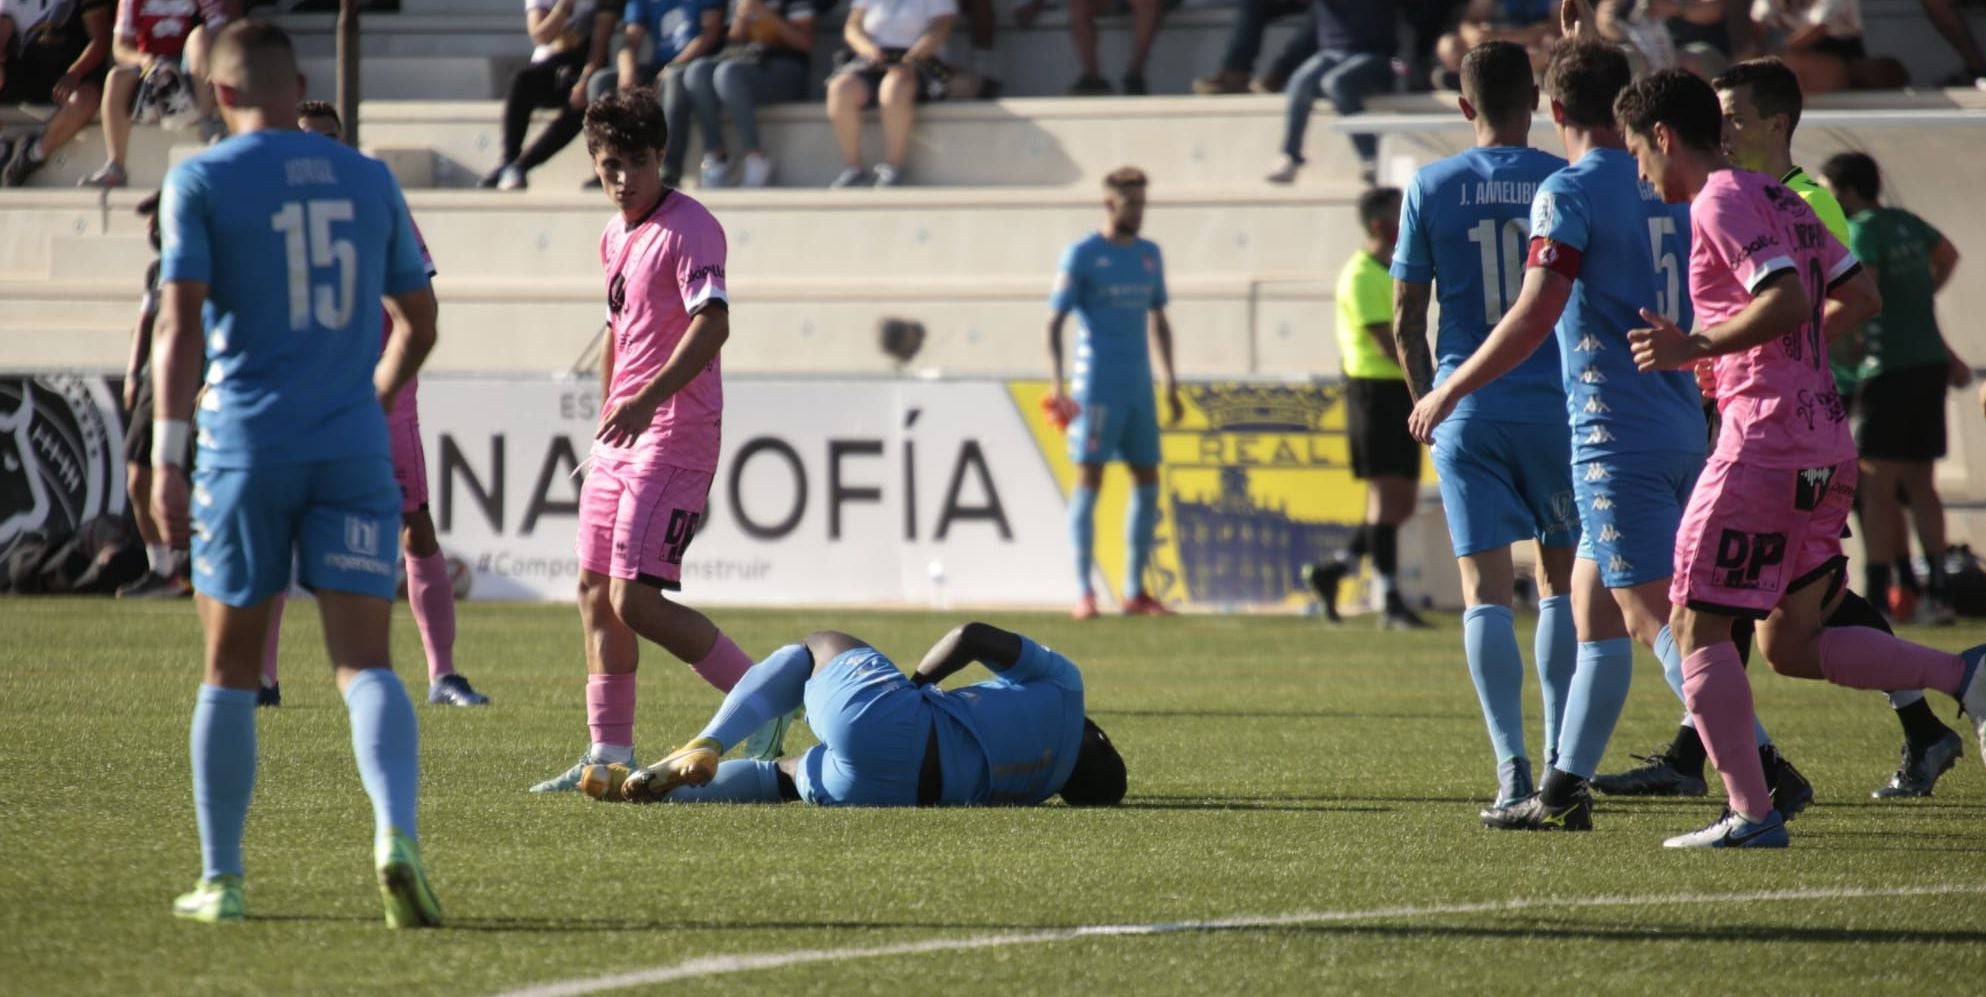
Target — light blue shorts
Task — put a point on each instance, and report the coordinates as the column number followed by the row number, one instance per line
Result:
column 873, row 726
column 1502, row 482
column 1120, row 426
column 1630, row 510
column 336, row 521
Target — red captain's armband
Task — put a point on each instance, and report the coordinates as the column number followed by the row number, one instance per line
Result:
column 1557, row 257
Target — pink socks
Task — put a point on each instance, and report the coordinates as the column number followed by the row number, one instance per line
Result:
column 1719, row 697
column 610, row 709
column 432, row 594
column 275, row 639
column 1863, row 658
column 723, row 665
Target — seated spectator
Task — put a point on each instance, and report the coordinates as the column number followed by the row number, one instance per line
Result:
column 1950, row 22
column 154, row 40
column 1530, row 23
column 1669, row 34
column 1145, row 16
column 765, row 62
column 1822, row 41
column 50, row 53
column 1244, row 43
column 892, row 60
column 572, row 39
column 1355, row 42
column 685, row 33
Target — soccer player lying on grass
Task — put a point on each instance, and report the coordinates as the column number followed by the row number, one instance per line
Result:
column 1762, row 535
column 895, row 740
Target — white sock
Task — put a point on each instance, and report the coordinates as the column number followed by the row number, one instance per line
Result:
column 608, row 754
column 35, row 152
column 1907, row 697
column 1382, row 588
column 156, row 555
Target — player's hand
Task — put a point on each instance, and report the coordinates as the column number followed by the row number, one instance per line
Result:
column 578, row 96
column 1572, row 14
column 169, row 505
column 1661, row 346
column 620, row 425
column 1429, row 412
column 131, row 398
column 1175, row 409
column 66, row 87
column 1960, row 373
column 1706, row 379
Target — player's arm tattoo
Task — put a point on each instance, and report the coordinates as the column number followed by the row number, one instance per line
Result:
column 997, row 649
column 1410, row 336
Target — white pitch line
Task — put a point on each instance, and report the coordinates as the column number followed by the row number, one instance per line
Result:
column 724, row 965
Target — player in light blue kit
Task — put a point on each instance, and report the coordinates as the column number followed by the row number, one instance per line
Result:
column 1115, row 283
column 1602, row 247
column 1504, row 455
column 278, row 247
column 895, row 740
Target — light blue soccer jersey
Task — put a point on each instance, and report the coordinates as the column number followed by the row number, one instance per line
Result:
column 1112, row 289
column 1632, row 253
column 297, row 239
column 1023, row 729
column 1465, row 227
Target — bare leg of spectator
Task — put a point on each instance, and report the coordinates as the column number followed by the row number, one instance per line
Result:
column 846, row 96
column 899, row 111
column 1819, row 72
column 1082, row 34
column 198, row 44
column 1145, row 16
column 72, row 117
column 119, row 87
column 1950, row 22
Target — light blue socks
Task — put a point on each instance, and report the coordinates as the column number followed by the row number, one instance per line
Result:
column 1141, row 526
column 223, row 750
column 386, row 741
column 772, row 688
column 1599, row 690
column 1082, row 533
column 1489, row 642
column 1556, row 649
column 739, row 780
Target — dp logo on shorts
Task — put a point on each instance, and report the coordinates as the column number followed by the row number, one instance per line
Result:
column 1750, row 560
column 361, row 536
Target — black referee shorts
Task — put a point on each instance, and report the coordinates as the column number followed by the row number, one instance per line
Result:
column 1376, row 412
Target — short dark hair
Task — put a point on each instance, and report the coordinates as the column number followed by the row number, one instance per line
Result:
column 1124, row 178
column 148, row 206
column 1378, row 204
column 1855, row 171
column 628, row 120
column 1098, row 778
column 1496, row 78
column 1676, row 98
column 260, row 51
column 1774, row 88
column 1584, row 76
column 320, row 109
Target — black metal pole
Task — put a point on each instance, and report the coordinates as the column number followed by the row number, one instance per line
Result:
column 348, row 68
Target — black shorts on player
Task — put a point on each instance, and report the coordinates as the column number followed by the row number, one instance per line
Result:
column 1376, row 414
column 1903, row 414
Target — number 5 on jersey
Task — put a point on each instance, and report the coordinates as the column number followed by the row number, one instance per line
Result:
column 329, row 302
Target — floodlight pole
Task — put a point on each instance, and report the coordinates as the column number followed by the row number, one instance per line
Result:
column 348, row 68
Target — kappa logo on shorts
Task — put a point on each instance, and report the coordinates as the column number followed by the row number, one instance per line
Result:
column 1598, row 436
column 362, row 536
column 1619, row 565
column 1589, row 343
column 1594, row 406
column 1750, row 560
column 1597, row 472
column 1810, row 487
column 1592, row 375
column 1610, row 534
column 1603, row 503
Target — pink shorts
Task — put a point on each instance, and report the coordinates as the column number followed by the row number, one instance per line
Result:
column 635, row 522
column 410, row 459
column 1752, row 535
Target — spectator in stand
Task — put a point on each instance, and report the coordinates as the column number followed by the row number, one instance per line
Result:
column 765, row 62
column 1669, row 34
column 1356, row 41
column 1906, row 367
column 154, row 41
column 572, row 39
column 1950, row 22
column 1822, row 41
column 1530, row 23
column 1145, row 17
column 1244, row 43
column 50, row 53
column 685, row 33
column 891, row 60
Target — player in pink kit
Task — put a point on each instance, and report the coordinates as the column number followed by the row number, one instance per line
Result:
column 1762, row 535
column 656, row 449
column 430, row 589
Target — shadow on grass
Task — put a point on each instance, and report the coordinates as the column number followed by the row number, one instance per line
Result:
column 1276, row 804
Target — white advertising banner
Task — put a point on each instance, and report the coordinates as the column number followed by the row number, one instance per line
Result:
column 851, row 492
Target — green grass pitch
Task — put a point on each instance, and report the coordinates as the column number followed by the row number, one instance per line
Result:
column 1277, row 766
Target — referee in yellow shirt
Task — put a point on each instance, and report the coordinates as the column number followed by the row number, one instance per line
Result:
column 1376, row 408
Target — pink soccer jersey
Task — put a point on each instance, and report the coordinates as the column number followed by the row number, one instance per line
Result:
column 1778, row 399
column 660, row 273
